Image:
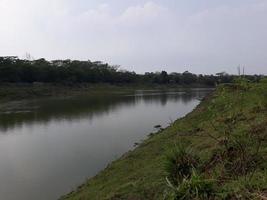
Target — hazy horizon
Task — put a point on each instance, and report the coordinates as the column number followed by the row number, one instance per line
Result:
column 173, row 35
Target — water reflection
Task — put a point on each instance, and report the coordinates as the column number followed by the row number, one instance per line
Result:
column 75, row 108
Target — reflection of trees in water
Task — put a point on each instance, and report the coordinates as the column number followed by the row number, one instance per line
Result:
column 65, row 110
column 88, row 107
column 163, row 98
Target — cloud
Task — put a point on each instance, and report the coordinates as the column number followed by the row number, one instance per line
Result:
column 143, row 37
column 143, row 14
column 230, row 35
column 108, row 36
column 49, row 25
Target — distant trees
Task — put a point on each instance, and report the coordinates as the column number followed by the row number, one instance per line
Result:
column 16, row 70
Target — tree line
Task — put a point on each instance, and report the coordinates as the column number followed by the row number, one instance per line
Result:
column 15, row 70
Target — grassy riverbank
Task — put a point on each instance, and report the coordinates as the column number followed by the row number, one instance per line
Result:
column 228, row 134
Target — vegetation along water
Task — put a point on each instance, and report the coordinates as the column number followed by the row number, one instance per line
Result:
column 218, row 151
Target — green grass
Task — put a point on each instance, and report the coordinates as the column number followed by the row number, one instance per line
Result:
column 224, row 130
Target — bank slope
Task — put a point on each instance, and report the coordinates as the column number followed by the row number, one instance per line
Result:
column 228, row 125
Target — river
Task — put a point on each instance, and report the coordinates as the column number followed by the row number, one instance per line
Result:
column 49, row 146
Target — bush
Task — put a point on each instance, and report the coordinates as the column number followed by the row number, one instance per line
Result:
column 179, row 164
column 195, row 187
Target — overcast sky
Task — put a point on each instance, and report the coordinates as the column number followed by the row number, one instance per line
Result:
column 202, row 36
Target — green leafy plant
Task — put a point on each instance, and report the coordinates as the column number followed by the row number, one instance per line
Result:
column 179, row 163
column 194, row 188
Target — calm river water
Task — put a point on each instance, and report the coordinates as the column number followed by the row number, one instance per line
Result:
column 50, row 146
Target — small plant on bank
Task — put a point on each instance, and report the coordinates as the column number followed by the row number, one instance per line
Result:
column 180, row 163
column 194, row 188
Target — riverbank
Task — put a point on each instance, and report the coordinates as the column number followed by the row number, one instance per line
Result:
column 227, row 132
column 9, row 92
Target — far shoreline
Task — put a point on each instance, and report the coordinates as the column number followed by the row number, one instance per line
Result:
column 25, row 91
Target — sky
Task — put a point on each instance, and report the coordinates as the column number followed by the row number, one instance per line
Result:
column 201, row 36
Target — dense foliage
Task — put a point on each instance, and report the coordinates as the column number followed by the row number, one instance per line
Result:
column 15, row 70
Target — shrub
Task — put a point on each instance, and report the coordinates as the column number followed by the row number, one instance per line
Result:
column 179, row 164
column 195, row 187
